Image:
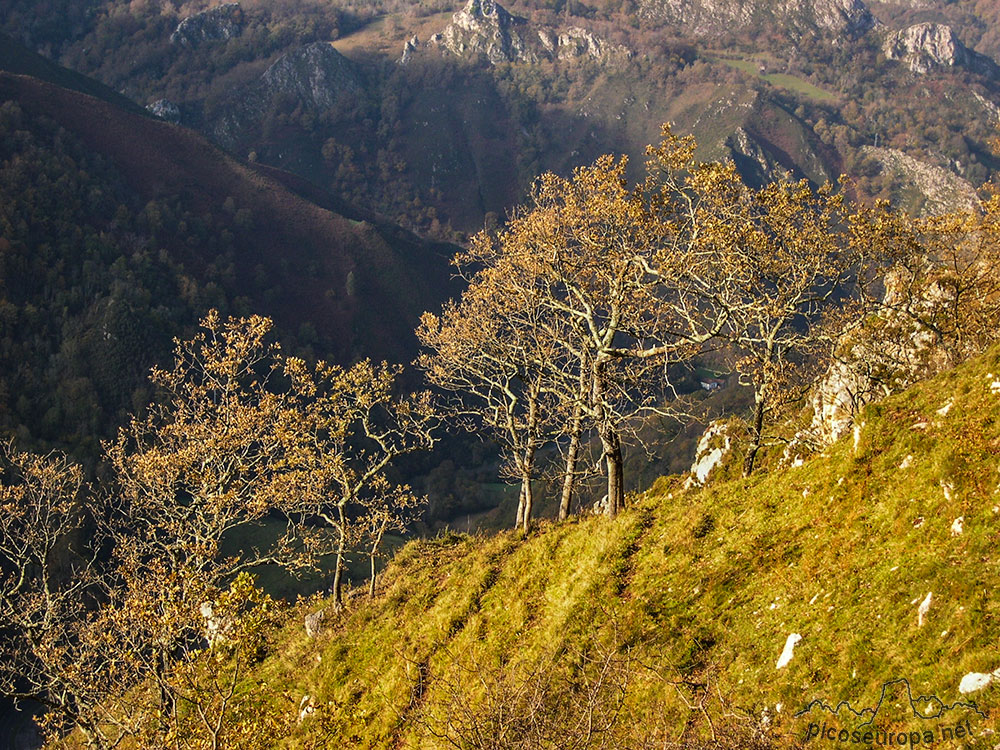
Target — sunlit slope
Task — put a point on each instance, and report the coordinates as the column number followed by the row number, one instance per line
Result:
column 698, row 587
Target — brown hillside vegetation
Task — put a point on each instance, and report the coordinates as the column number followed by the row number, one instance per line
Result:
column 309, row 251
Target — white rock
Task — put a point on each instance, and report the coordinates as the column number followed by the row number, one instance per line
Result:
column 907, row 462
column 974, row 681
column 922, row 610
column 314, row 623
column 957, row 525
column 948, row 488
column 945, row 409
column 306, row 707
column 926, row 46
column 710, row 453
column 787, row 652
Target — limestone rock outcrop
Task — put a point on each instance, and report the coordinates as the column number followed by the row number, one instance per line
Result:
column 165, row 110
column 316, row 77
column 712, row 17
column 485, row 28
column 215, row 24
column 943, row 191
column 925, row 47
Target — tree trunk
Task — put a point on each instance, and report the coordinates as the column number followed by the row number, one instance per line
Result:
column 338, row 573
column 610, row 443
column 569, row 477
column 756, row 434
column 371, row 581
column 529, row 499
column 527, row 494
column 527, row 463
column 520, row 508
column 615, row 468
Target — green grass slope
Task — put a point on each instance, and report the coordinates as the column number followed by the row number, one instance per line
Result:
column 691, row 589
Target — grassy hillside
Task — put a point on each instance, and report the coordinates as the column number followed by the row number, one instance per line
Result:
column 688, row 591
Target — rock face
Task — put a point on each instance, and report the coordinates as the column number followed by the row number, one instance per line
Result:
column 751, row 158
column 943, row 190
column 314, row 623
column 315, row 77
column 713, row 446
column 165, row 110
column 411, row 46
column 788, row 651
column 714, row 17
column 838, row 397
column 925, row 47
column 975, row 681
column 212, row 25
column 868, row 371
column 483, row 27
column 575, row 42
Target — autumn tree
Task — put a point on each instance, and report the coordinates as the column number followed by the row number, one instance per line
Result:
column 240, row 435
column 623, row 292
column 388, row 513
column 776, row 259
column 352, row 427
column 210, row 456
column 48, row 579
column 927, row 297
column 490, row 351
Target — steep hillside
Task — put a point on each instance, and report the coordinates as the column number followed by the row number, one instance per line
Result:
column 14, row 58
column 118, row 231
column 863, row 572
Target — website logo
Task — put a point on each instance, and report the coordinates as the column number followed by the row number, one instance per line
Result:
column 898, row 719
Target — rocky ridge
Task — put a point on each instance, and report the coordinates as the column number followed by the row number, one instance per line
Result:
column 718, row 17
column 215, row 24
column 943, row 190
column 484, row 27
column 316, row 76
column 925, row 47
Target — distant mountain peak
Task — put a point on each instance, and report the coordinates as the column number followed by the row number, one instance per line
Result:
column 315, row 76
column 484, row 27
column 480, row 10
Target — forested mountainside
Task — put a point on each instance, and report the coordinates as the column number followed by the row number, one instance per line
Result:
column 439, row 115
column 120, row 231
column 217, row 217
